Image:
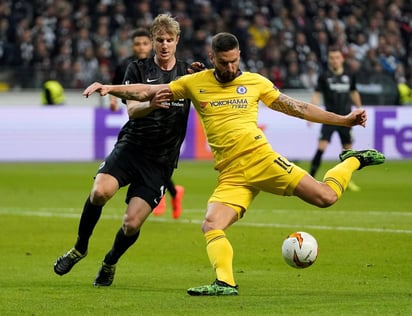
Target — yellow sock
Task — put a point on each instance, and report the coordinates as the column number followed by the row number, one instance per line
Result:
column 220, row 254
column 339, row 176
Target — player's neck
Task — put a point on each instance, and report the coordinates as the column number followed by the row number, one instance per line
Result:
column 337, row 71
column 165, row 64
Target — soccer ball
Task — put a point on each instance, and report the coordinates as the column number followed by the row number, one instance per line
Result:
column 300, row 250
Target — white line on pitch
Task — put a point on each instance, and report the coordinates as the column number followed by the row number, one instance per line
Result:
column 69, row 213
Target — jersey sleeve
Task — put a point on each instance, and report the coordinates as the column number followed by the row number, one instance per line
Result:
column 268, row 91
column 121, row 70
column 132, row 74
column 178, row 88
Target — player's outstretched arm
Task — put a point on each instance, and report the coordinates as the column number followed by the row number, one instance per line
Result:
column 313, row 113
column 138, row 92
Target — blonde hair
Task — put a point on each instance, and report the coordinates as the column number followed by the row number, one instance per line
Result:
column 165, row 23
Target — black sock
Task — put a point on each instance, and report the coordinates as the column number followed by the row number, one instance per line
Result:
column 316, row 162
column 120, row 245
column 90, row 216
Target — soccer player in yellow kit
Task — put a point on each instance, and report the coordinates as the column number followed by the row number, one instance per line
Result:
column 227, row 101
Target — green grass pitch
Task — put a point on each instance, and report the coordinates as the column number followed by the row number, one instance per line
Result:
column 364, row 265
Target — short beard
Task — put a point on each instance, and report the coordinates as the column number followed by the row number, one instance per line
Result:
column 225, row 79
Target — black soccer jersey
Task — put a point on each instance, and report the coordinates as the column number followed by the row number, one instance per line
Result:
column 159, row 134
column 336, row 91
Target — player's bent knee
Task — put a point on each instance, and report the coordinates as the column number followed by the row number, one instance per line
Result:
column 324, row 197
column 327, row 200
column 208, row 225
column 131, row 225
column 130, row 230
column 213, row 225
column 99, row 196
column 205, row 227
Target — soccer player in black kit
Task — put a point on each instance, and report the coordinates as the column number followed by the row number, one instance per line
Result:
column 144, row 157
column 338, row 88
column 142, row 48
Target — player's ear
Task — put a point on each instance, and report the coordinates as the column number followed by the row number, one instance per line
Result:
column 211, row 57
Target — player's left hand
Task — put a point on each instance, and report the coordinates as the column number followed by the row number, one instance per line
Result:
column 161, row 99
column 357, row 117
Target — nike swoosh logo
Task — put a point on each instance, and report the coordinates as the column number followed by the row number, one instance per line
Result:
column 151, row 80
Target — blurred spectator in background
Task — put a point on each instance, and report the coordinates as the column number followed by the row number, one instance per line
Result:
column 121, row 41
column 82, row 41
column 24, row 56
column 52, row 93
column 310, row 76
column 89, row 66
column 332, row 19
column 320, row 44
column 359, row 46
column 259, row 31
column 62, row 64
column 293, row 79
column 41, row 63
column 302, row 49
column 352, row 28
column 388, row 60
column 405, row 89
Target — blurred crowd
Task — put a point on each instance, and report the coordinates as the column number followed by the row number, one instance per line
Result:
column 81, row 41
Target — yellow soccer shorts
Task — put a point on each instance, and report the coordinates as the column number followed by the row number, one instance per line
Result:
column 260, row 170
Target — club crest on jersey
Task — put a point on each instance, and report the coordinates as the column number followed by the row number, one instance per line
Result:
column 241, row 89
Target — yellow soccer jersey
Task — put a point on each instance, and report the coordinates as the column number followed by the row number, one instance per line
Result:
column 228, row 111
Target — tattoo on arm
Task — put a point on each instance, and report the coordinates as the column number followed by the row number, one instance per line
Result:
column 132, row 95
column 290, row 106
column 129, row 95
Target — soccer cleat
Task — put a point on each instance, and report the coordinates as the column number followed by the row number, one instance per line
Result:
column 66, row 262
column 161, row 207
column 366, row 157
column 105, row 275
column 177, row 201
column 217, row 288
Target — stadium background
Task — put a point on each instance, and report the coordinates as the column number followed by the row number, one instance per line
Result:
column 78, row 42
